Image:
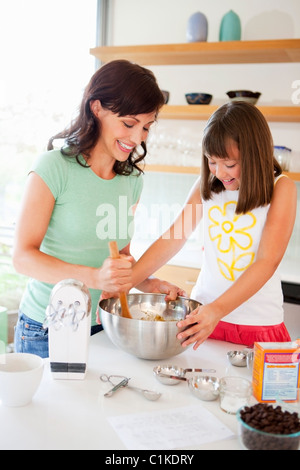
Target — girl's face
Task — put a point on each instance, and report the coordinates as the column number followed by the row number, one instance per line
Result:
column 121, row 134
column 227, row 170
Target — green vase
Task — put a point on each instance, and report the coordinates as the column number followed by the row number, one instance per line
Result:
column 230, row 29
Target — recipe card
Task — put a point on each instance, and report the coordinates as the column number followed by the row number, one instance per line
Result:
column 170, row 429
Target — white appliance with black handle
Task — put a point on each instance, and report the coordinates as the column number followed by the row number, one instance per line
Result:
column 68, row 318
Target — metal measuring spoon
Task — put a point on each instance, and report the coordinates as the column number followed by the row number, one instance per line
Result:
column 149, row 394
column 165, row 374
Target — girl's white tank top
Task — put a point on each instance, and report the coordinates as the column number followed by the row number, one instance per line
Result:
column 231, row 242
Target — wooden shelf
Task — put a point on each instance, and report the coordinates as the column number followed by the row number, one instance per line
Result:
column 223, row 52
column 293, row 175
column 203, row 112
column 193, row 170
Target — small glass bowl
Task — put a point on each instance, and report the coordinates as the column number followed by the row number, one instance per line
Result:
column 235, row 392
column 253, row 439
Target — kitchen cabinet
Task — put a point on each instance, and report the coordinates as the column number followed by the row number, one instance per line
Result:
column 200, row 53
column 181, row 276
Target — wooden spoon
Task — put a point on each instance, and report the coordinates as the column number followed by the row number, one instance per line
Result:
column 114, row 253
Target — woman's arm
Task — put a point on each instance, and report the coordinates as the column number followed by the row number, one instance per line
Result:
column 170, row 242
column 36, row 210
column 275, row 238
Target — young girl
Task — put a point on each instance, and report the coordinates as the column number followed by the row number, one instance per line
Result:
column 248, row 209
column 75, row 197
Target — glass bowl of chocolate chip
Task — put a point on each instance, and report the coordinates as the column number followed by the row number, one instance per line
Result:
column 267, row 426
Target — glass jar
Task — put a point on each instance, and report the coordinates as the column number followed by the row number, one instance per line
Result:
column 235, row 392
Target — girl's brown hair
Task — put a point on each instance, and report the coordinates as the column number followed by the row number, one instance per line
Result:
column 125, row 89
column 243, row 123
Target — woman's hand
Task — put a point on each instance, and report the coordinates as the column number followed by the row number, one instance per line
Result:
column 115, row 275
column 199, row 324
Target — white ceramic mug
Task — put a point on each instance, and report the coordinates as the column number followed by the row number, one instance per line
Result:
column 20, row 377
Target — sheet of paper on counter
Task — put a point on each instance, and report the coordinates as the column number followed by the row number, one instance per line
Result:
column 170, row 429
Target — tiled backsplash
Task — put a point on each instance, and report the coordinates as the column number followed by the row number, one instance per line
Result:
column 162, row 198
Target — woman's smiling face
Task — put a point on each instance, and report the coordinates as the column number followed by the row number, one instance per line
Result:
column 120, row 135
column 227, row 170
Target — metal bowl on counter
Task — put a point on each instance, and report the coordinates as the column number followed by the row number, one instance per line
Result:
column 237, row 358
column 204, row 387
column 152, row 331
column 160, row 372
column 241, row 358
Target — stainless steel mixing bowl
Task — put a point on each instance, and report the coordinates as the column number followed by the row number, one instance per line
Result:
column 146, row 339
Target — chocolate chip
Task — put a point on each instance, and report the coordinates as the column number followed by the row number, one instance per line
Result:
column 271, row 420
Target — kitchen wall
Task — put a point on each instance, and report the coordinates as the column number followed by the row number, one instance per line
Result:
column 179, row 142
column 164, row 21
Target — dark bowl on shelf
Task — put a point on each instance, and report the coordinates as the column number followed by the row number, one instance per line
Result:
column 166, row 95
column 244, row 95
column 198, row 98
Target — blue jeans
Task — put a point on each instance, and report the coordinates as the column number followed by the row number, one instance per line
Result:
column 32, row 338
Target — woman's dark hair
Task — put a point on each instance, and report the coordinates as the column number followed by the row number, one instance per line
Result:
column 244, row 124
column 123, row 88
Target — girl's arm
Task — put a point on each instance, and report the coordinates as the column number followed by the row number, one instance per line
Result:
column 170, row 242
column 152, row 284
column 275, row 238
column 32, row 225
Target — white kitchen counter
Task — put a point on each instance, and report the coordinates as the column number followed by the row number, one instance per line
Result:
column 67, row 414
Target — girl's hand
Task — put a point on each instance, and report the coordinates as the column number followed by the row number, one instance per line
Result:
column 154, row 285
column 107, row 295
column 164, row 287
column 199, row 324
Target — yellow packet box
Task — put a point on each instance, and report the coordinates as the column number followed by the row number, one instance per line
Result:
column 276, row 371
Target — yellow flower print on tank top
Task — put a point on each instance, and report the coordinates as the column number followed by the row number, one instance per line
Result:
column 231, row 234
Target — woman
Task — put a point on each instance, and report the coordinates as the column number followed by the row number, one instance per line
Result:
column 81, row 196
